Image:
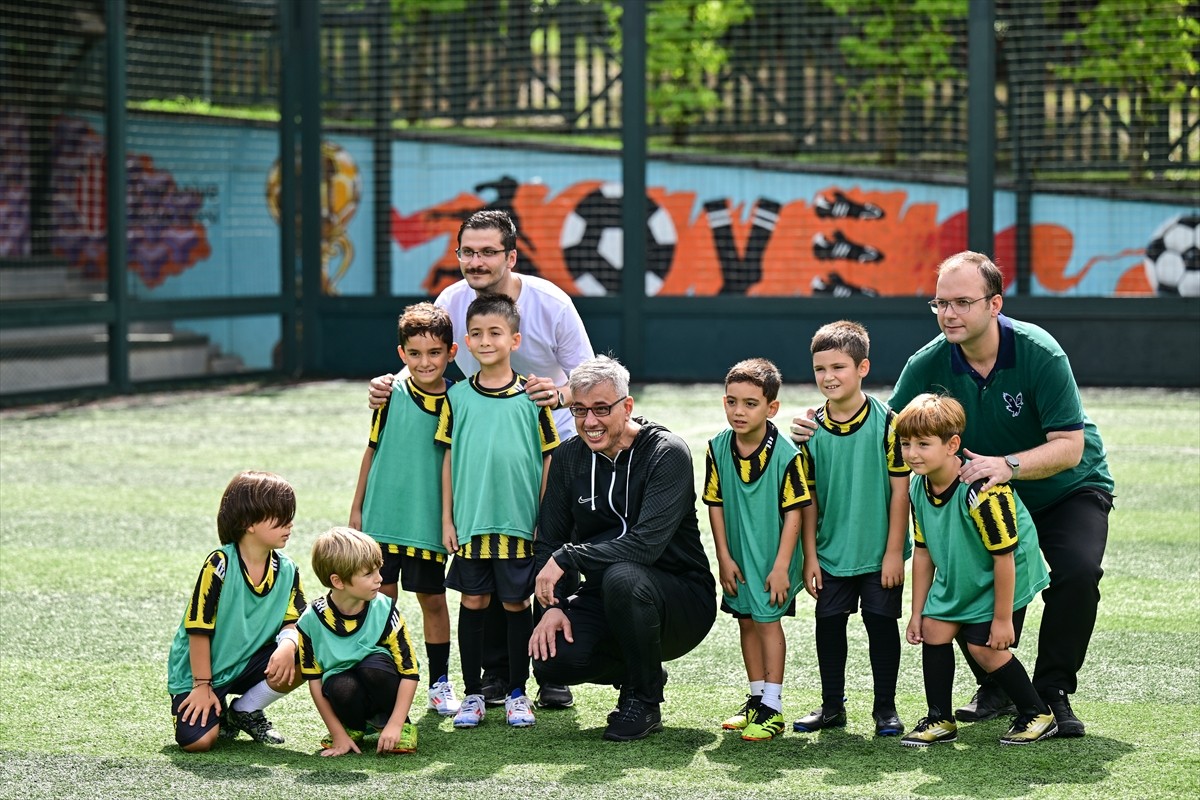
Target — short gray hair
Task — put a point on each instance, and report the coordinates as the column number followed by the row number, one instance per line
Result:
column 597, row 371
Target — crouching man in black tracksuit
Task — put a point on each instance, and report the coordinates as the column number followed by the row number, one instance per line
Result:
column 619, row 507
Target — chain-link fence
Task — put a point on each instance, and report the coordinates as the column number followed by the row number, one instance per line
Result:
column 812, row 148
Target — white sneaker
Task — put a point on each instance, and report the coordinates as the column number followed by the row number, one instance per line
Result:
column 442, row 698
column 517, row 710
column 470, row 712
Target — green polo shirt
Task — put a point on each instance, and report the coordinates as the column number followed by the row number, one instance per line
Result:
column 1030, row 392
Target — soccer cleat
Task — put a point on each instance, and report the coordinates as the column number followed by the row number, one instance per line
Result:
column 227, row 730
column 988, row 702
column 742, row 718
column 842, row 206
column 495, row 689
column 931, row 731
column 517, row 710
column 355, row 736
column 834, row 286
column 1069, row 725
column 470, row 712
column 1027, row 729
column 256, row 724
column 633, row 720
column 887, row 723
column 843, row 249
column 820, row 719
column 407, row 743
column 551, row 695
column 442, row 698
column 765, row 724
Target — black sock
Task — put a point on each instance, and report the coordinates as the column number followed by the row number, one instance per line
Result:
column 1013, row 679
column 520, row 628
column 831, row 660
column 470, row 648
column 437, row 657
column 937, row 667
column 883, row 641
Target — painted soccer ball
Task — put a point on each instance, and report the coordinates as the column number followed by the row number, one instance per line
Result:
column 1173, row 257
column 592, row 242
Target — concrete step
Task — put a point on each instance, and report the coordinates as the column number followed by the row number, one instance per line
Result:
column 47, row 279
column 74, row 356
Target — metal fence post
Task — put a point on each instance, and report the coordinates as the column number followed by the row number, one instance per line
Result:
column 311, row 175
column 289, row 59
column 116, row 195
column 381, row 86
column 633, row 172
column 981, row 126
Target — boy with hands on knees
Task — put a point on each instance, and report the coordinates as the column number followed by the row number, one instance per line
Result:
column 238, row 633
column 975, row 568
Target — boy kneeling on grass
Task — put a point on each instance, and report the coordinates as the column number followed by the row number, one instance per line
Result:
column 238, row 635
column 355, row 650
column 976, row 566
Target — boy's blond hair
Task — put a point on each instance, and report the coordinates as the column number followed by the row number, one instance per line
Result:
column 757, row 372
column 931, row 415
column 253, row 497
column 845, row 337
column 344, row 552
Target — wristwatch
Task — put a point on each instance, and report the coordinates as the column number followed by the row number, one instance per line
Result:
column 1014, row 464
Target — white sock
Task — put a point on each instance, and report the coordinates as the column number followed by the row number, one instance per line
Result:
column 259, row 697
column 773, row 696
column 756, row 688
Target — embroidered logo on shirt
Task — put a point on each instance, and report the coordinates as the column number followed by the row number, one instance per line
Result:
column 1014, row 404
column 585, row 500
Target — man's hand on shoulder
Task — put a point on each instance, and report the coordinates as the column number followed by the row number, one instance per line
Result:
column 380, row 390
column 992, row 470
column 804, row 427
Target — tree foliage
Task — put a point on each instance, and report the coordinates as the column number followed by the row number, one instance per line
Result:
column 1147, row 47
column 901, row 51
column 684, row 55
column 1145, row 51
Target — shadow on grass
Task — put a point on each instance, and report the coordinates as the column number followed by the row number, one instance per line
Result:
column 975, row 766
column 557, row 745
column 1011, row 771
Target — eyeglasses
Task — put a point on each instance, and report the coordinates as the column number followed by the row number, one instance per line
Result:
column 961, row 306
column 600, row 411
column 465, row 254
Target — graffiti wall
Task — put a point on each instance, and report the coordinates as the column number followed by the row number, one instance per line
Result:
column 722, row 230
column 204, row 208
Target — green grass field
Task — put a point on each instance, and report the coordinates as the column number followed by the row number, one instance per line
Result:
column 107, row 511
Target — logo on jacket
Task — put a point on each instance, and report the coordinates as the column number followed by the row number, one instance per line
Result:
column 1014, row 404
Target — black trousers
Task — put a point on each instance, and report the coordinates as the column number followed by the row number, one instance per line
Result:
column 625, row 628
column 1072, row 535
column 364, row 693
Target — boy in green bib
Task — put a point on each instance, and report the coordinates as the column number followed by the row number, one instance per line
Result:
column 757, row 498
column 238, row 634
column 855, row 558
column 398, row 502
column 499, row 443
column 975, row 568
column 355, row 650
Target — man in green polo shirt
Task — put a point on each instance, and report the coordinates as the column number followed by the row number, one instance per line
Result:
column 1025, row 426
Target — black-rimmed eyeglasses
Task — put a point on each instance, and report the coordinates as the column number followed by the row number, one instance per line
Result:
column 599, row 411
